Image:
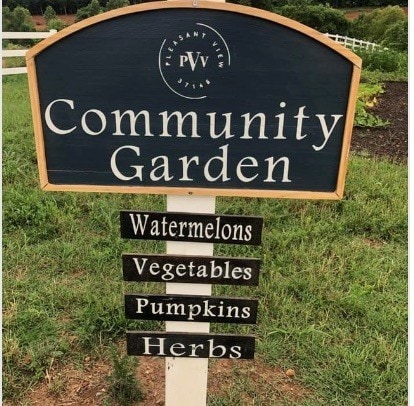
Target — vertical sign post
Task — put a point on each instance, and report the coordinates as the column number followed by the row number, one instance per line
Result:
column 180, row 371
column 186, row 378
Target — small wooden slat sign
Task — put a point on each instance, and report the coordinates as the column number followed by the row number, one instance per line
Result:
column 190, row 269
column 210, row 228
column 191, row 308
column 176, row 98
column 190, row 345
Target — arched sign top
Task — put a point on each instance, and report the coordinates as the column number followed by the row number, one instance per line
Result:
column 212, row 99
column 234, row 8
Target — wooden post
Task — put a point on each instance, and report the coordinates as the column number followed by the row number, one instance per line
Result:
column 186, row 378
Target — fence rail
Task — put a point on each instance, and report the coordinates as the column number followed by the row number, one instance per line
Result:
column 354, row 43
column 12, row 53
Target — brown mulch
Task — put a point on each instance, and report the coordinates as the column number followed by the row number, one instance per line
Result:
column 390, row 142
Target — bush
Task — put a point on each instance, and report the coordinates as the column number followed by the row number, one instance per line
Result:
column 114, row 4
column 374, row 26
column 92, row 9
column 56, row 24
column 319, row 17
column 396, row 36
column 384, row 61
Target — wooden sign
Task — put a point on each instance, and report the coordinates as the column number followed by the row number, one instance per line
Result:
column 190, row 345
column 191, row 308
column 190, row 269
column 177, row 98
column 212, row 228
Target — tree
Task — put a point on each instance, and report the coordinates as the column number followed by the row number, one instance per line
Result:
column 49, row 14
column 373, row 26
column 18, row 20
column 396, row 36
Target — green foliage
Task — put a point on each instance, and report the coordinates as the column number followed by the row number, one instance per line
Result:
column 123, row 385
column 375, row 26
column 18, row 20
column 396, row 36
column 384, row 61
column 367, row 94
column 52, row 20
column 377, row 76
column 319, row 17
column 49, row 14
column 92, row 9
column 56, row 24
column 114, row 4
column 262, row 4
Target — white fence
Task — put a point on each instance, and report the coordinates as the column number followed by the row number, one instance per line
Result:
column 12, row 53
column 351, row 43
column 354, row 43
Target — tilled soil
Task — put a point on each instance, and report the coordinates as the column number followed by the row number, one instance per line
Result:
column 390, row 142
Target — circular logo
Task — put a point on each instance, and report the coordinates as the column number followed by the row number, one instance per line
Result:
column 191, row 61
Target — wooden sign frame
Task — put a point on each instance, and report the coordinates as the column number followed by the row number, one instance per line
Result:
column 201, row 191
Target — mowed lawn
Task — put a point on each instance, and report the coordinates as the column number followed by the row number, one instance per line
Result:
column 332, row 293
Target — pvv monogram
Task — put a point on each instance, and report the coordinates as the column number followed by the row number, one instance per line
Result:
column 190, row 61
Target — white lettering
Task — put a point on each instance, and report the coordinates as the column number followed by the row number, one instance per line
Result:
column 101, row 117
column 253, row 164
column 326, row 133
column 132, row 122
column 271, row 167
column 300, row 117
column 116, row 171
column 49, row 121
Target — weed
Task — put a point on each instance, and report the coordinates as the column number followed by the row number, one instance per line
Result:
column 367, row 98
column 124, row 387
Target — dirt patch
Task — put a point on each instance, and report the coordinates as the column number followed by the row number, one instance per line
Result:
column 86, row 384
column 389, row 142
column 40, row 23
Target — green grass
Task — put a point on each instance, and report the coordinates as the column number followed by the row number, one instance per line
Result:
column 333, row 288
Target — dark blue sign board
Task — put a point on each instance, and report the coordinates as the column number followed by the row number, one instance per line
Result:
column 213, row 99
